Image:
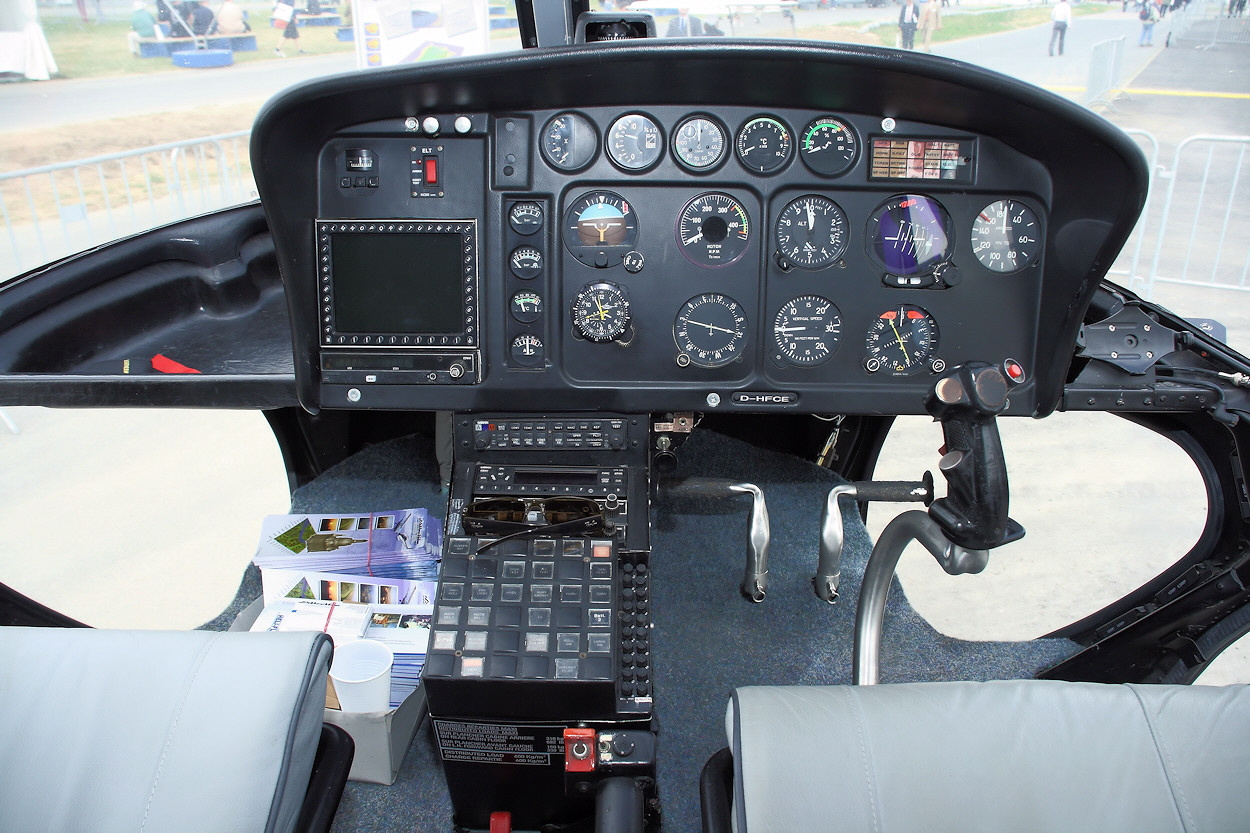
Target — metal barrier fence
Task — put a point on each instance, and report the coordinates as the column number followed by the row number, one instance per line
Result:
column 1190, row 231
column 1103, row 82
column 1209, row 23
column 57, row 210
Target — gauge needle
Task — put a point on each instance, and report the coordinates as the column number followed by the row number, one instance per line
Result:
column 811, row 218
column 692, row 239
column 602, row 314
column 791, row 329
column 710, row 327
column 899, row 336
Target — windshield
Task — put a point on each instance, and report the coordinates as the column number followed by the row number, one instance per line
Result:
column 124, row 115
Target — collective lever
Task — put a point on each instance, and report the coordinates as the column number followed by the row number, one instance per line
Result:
column 755, row 578
column 829, row 567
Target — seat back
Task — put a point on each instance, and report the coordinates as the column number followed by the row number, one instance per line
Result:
column 157, row 731
column 1011, row 755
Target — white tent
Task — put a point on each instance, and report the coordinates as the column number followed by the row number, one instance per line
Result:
column 23, row 48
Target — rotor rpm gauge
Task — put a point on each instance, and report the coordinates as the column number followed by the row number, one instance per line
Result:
column 710, row 330
column 600, row 228
column 1006, row 236
column 699, row 143
column 811, row 232
column 600, row 311
column 569, row 142
column 901, row 341
column 634, row 142
column 806, row 330
column 828, row 146
column 764, row 145
column 713, row 230
column 910, row 234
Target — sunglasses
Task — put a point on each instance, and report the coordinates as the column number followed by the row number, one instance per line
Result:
column 517, row 516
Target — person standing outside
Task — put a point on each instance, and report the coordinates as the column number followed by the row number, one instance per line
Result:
column 685, row 25
column 930, row 22
column 908, row 20
column 1149, row 17
column 1060, row 18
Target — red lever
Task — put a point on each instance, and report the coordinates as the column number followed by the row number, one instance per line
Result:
column 501, row 822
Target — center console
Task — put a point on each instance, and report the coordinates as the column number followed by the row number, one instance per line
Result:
column 538, row 674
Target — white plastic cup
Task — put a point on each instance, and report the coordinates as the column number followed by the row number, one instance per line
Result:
column 361, row 671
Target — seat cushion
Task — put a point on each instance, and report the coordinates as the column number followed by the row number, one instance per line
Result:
column 157, row 731
column 1009, row 755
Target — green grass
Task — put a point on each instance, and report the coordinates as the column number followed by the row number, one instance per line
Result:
column 94, row 50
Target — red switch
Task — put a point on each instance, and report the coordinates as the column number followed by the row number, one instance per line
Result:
column 431, row 170
column 579, row 750
column 500, row 822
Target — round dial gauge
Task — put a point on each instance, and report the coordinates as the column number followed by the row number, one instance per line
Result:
column 1006, row 236
column 828, row 146
column 910, row 234
column 600, row 228
column 806, row 330
column 764, row 145
column 902, row 340
column 569, row 142
column 710, row 330
column 525, row 217
column 634, row 142
column 600, row 311
column 526, row 307
column 525, row 262
column 699, row 143
column 527, row 350
column 811, row 232
column 713, row 230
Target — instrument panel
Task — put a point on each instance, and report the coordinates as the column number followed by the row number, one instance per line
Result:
column 621, row 250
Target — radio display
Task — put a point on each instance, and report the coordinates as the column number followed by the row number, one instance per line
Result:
column 398, row 284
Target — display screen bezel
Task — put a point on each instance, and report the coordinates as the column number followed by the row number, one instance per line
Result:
column 459, row 289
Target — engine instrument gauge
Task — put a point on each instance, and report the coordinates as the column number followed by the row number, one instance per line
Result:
column 699, row 143
column 525, row 217
column 569, row 142
column 525, row 262
column 764, row 145
column 806, row 330
column 600, row 228
column 910, row 234
column 600, row 311
column 1006, row 236
column 710, row 330
column 526, row 306
column 828, row 146
column 527, row 350
column 811, row 232
column 901, row 341
column 634, row 142
column 713, row 230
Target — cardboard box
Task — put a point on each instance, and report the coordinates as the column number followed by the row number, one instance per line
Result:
column 382, row 738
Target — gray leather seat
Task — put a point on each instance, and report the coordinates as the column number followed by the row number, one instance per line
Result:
column 998, row 756
column 157, row 731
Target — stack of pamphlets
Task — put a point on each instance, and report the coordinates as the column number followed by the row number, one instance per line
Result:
column 400, row 544
column 382, row 566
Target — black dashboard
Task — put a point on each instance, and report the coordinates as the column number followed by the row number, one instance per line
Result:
column 716, row 227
